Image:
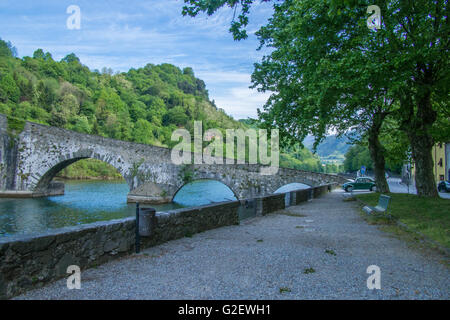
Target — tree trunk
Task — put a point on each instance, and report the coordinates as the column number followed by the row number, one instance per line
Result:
column 418, row 128
column 421, row 145
column 377, row 153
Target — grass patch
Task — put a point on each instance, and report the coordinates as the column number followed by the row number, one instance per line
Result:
column 309, row 270
column 430, row 217
column 330, row 252
column 299, row 227
column 260, row 240
column 285, row 213
column 285, row 289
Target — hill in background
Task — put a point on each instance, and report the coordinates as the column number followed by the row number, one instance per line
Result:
column 143, row 105
column 331, row 150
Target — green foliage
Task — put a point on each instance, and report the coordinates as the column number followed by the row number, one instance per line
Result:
column 143, row 132
column 134, row 172
column 15, row 125
column 356, row 157
column 284, row 289
column 187, row 174
column 7, row 49
column 309, row 270
column 301, row 158
column 194, row 7
column 328, row 70
column 9, row 91
column 90, row 169
column 143, row 105
column 394, row 142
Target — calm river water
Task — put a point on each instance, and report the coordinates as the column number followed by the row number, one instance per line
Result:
column 91, row 201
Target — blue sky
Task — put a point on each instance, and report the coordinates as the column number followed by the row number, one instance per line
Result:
column 129, row 34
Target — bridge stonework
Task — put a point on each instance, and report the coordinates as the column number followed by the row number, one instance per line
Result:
column 29, row 160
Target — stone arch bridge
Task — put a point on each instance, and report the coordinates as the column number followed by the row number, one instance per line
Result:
column 31, row 158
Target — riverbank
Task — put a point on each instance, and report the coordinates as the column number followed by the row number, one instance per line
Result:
column 95, row 178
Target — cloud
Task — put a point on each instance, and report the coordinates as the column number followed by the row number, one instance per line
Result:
column 241, row 103
column 224, row 76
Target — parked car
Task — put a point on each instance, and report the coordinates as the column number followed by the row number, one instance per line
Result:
column 362, row 183
column 444, row 186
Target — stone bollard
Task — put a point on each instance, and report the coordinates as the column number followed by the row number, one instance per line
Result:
column 147, row 221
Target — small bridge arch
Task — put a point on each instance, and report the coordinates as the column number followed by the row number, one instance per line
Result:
column 218, row 186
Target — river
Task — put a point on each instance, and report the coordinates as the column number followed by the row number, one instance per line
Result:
column 91, row 201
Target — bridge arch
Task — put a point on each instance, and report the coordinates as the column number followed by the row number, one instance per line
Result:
column 229, row 196
column 283, row 182
column 292, row 187
column 50, row 170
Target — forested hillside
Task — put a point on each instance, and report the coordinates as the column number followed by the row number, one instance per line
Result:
column 143, row 105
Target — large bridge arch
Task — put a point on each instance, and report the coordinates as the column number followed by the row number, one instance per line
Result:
column 51, row 169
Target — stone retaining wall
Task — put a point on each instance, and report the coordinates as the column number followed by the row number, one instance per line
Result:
column 302, row 195
column 272, row 203
column 30, row 261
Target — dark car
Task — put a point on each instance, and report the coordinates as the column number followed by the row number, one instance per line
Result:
column 444, row 186
column 362, row 183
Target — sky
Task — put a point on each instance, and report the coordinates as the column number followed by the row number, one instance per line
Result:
column 129, row 34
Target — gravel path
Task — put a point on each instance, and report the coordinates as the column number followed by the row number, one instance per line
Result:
column 262, row 255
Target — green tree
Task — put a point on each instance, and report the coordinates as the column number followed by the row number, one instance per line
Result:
column 408, row 58
column 39, row 54
column 143, row 132
column 47, row 93
column 176, row 116
column 8, row 89
column 7, row 49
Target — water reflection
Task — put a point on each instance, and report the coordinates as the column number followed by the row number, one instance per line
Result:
column 91, row 201
column 203, row 192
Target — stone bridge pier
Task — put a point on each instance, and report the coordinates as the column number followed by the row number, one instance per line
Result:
column 32, row 154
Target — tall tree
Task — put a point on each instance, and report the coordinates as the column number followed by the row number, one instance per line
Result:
column 318, row 76
column 407, row 57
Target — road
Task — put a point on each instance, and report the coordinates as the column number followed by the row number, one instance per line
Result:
column 396, row 186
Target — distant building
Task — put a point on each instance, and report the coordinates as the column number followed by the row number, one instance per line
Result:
column 441, row 161
column 441, row 164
